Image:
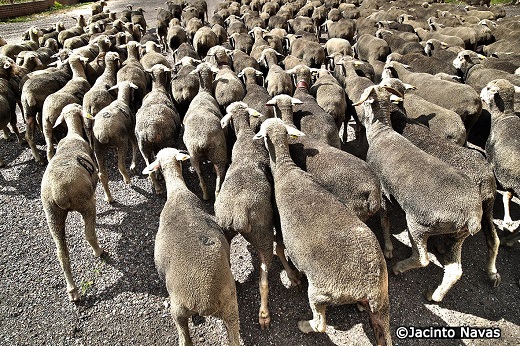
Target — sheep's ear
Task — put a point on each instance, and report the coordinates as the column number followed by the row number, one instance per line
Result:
column 409, row 86
column 7, row 65
column 240, row 74
column 261, row 134
column 254, row 113
column 82, row 58
column 152, row 167
column 114, row 87
column 181, row 156
column 58, row 121
column 225, row 120
column 271, row 102
column 517, row 89
column 258, row 73
column 364, row 96
column 291, row 131
column 395, row 99
column 291, row 71
column 88, row 116
column 132, row 85
column 295, row 101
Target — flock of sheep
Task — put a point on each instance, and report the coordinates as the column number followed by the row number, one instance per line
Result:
column 256, row 91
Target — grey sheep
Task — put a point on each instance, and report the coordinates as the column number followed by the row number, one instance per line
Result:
column 11, row 50
column 502, row 145
column 8, row 112
column 203, row 39
column 330, row 96
column 460, row 98
column 349, row 178
column 453, row 210
column 176, row 35
column 69, row 184
column 478, row 76
column 241, row 60
column 398, row 44
column 157, row 122
column 133, row 71
column 311, row 118
column 244, row 202
column 77, row 30
column 277, row 80
column 338, row 46
column 241, row 41
column 185, row 86
column 311, row 52
column 98, row 97
column 370, row 48
column 113, row 127
column 164, row 18
column 192, row 255
column 344, row 264
column 72, row 92
column 227, row 87
column 452, row 41
column 256, row 97
column 469, row 161
column 343, row 28
column 34, row 92
column 203, row 135
column 153, row 56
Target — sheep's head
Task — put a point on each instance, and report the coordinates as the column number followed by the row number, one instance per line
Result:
column 164, row 157
column 375, row 100
column 466, row 59
column 274, row 130
column 237, row 107
column 69, row 113
column 499, row 92
column 301, row 73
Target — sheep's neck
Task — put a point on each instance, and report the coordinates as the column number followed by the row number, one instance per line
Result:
column 205, row 83
column 286, row 114
column 110, row 73
column 500, row 108
column 271, row 61
column 124, row 94
column 74, row 126
column 381, row 120
column 172, row 174
column 78, row 71
column 133, row 53
column 241, row 125
column 33, row 36
column 159, row 83
column 279, row 153
column 350, row 71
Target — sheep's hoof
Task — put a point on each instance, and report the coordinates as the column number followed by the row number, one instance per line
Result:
column 429, row 297
column 264, row 320
column 495, row 279
column 305, row 327
column 511, row 226
column 2, row 163
column 41, row 161
column 397, row 268
column 389, row 253
column 98, row 253
column 360, row 306
column 158, row 191
column 74, row 295
column 109, row 199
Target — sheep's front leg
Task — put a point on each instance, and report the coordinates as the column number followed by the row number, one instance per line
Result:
column 133, row 141
column 220, row 170
column 452, row 270
column 47, row 134
column 418, row 235
column 318, row 323
column 56, row 222
column 385, row 226
column 195, row 163
column 264, row 317
column 89, row 218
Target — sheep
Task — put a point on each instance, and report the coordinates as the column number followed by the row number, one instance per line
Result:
column 69, row 184
column 471, row 162
column 311, row 118
column 221, row 33
column 97, row 7
column 185, row 49
column 256, row 96
column 176, row 35
column 133, row 71
column 259, row 43
column 98, row 97
column 137, row 18
column 184, row 86
column 77, row 30
column 11, row 50
column 452, row 41
column 227, row 87
column 34, row 92
column 330, row 96
column 164, row 18
column 241, row 60
column 460, row 98
column 8, row 112
column 192, row 255
column 241, row 41
column 349, row 178
column 502, row 146
column 334, row 276
column 477, row 76
column 398, row 44
column 153, row 57
column 453, row 210
column 113, row 127
column 203, row 39
column 244, row 202
column 343, row 28
column 203, row 135
column 95, row 68
column 311, row 52
column 338, row 46
column 59, row 26
column 277, row 80
column 72, row 92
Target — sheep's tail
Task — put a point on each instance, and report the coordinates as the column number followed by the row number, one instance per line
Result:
column 241, row 219
column 475, row 223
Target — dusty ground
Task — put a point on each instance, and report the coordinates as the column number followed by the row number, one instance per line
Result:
column 123, row 298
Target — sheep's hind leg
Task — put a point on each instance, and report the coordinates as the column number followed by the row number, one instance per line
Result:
column 195, row 163
column 180, row 317
column 220, row 170
column 292, row 273
column 89, row 218
column 492, row 242
column 318, row 305
column 231, row 319
column 508, row 223
column 419, row 258
column 385, row 226
column 452, row 270
column 380, row 320
column 264, row 317
column 121, row 156
column 103, row 174
column 133, row 141
column 29, row 136
column 56, row 222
